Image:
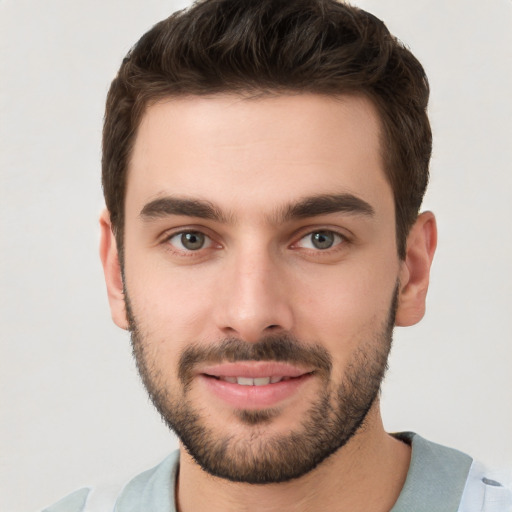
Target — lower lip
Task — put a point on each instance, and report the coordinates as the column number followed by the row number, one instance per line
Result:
column 254, row 397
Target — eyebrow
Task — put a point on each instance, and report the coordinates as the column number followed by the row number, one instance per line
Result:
column 308, row 207
column 166, row 206
column 327, row 203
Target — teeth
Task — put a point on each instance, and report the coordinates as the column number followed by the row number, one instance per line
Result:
column 262, row 381
column 245, row 381
column 259, row 381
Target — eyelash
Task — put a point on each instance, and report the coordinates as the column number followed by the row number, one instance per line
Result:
column 184, row 251
column 339, row 240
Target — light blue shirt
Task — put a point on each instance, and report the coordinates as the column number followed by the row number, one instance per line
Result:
column 439, row 479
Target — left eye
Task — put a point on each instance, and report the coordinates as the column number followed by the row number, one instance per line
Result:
column 190, row 241
column 320, row 240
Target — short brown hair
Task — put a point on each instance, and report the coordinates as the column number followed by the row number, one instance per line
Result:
column 275, row 46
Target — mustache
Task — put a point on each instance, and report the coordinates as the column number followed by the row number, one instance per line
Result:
column 282, row 348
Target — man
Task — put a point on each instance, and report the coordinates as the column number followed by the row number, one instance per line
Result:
column 264, row 164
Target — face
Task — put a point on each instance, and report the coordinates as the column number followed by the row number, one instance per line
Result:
column 261, row 276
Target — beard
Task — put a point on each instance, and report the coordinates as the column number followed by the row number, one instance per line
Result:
column 259, row 457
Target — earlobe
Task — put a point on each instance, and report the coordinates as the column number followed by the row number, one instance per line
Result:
column 112, row 269
column 415, row 272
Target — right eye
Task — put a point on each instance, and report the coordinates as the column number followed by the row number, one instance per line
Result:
column 320, row 240
column 190, row 241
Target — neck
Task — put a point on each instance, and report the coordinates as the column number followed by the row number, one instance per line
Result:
column 368, row 473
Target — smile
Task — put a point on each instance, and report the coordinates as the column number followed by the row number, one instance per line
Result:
column 248, row 381
column 254, row 384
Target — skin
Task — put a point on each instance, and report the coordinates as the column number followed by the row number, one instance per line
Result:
column 252, row 159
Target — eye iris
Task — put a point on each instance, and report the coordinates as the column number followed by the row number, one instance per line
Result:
column 322, row 239
column 192, row 241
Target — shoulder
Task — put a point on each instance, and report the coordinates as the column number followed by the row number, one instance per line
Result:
column 446, row 479
column 74, row 502
column 151, row 490
column 486, row 491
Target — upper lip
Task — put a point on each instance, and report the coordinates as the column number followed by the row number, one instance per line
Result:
column 254, row 369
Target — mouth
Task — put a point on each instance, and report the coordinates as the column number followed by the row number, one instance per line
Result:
column 248, row 381
column 254, row 385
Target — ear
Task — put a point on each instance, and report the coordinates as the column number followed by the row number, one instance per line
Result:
column 415, row 271
column 112, row 269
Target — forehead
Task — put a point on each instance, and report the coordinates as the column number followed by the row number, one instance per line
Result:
column 233, row 150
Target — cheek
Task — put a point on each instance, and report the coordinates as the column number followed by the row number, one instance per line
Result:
column 169, row 303
column 168, row 319
column 346, row 310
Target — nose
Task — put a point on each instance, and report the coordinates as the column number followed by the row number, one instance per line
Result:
column 254, row 297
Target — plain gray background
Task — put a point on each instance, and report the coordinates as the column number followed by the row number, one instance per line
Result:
column 72, row 409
